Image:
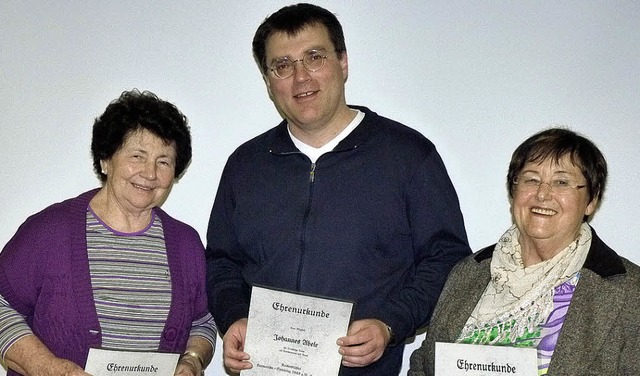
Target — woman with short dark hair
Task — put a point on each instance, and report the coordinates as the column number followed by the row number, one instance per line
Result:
column 109, row 269
column 550, row 282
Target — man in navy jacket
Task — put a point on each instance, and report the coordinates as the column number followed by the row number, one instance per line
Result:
column 334, row 201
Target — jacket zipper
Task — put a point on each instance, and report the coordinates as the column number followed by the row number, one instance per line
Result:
column 312, row 177
column 312, row 174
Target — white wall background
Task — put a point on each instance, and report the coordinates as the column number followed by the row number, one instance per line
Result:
column 476, row 77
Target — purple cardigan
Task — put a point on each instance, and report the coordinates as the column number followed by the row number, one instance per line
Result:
column 44, row 275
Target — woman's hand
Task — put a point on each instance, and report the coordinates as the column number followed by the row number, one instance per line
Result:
column 197, row 356
column 51, row 366
column 188, row 366
column 63, row 367
column 29, row 356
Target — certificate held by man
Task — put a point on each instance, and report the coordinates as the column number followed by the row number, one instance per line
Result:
column 290, row 333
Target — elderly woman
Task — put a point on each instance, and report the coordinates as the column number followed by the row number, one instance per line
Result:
column 109, row 269
column 550, row 282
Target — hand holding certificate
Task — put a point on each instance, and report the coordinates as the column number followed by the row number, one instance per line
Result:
column 294, row 334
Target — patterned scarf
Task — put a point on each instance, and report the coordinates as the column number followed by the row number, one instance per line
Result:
column 518, row 299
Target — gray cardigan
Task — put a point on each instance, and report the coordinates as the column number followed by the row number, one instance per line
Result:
column 601, row 333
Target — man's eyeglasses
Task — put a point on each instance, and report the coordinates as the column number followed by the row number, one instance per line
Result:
column 313, row 60
column 527, row 183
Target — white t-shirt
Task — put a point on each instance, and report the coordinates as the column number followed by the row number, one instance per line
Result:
column 315, row 153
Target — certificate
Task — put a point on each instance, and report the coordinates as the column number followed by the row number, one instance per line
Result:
column 294, row 334
column 455, row 359
column 130, row 363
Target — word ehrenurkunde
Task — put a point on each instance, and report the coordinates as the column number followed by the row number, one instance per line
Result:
column 487, row 367
column 114, row 367
column 302, row 311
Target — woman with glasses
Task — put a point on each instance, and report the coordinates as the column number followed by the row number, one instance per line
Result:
column 550, row 282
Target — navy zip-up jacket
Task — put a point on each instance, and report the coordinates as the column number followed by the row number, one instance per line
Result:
column 375, row 221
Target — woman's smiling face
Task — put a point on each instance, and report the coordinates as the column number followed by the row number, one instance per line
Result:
column 141, row 173
column 549, row 219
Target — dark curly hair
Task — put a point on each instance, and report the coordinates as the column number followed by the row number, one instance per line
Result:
column 556, row 143
column 134, row 111
column 291, row 19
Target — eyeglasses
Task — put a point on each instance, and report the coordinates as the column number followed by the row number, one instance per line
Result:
column 313, row 60
column 528, row 183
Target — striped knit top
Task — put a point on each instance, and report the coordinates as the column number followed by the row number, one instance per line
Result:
column 131, row 283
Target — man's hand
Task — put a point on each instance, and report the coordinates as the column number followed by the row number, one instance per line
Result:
column 365, row 342
column 235, row 359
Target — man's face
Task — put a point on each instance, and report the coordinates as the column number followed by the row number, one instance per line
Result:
column 308, row 100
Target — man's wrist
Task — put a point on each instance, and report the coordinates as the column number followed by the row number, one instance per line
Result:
column 392, row 335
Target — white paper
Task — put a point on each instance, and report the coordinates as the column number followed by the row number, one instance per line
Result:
column 454, row 359
column 294, row 334
column 129, row 363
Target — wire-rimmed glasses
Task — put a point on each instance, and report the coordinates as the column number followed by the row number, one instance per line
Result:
column 531, row 183
column 313, row 60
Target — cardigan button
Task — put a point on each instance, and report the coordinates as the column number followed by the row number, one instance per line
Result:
column 170, row 334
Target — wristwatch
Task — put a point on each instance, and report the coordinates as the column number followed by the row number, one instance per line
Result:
column 392, row 336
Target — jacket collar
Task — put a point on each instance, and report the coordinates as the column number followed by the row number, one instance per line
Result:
column 601, row 259
column 281, row 142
